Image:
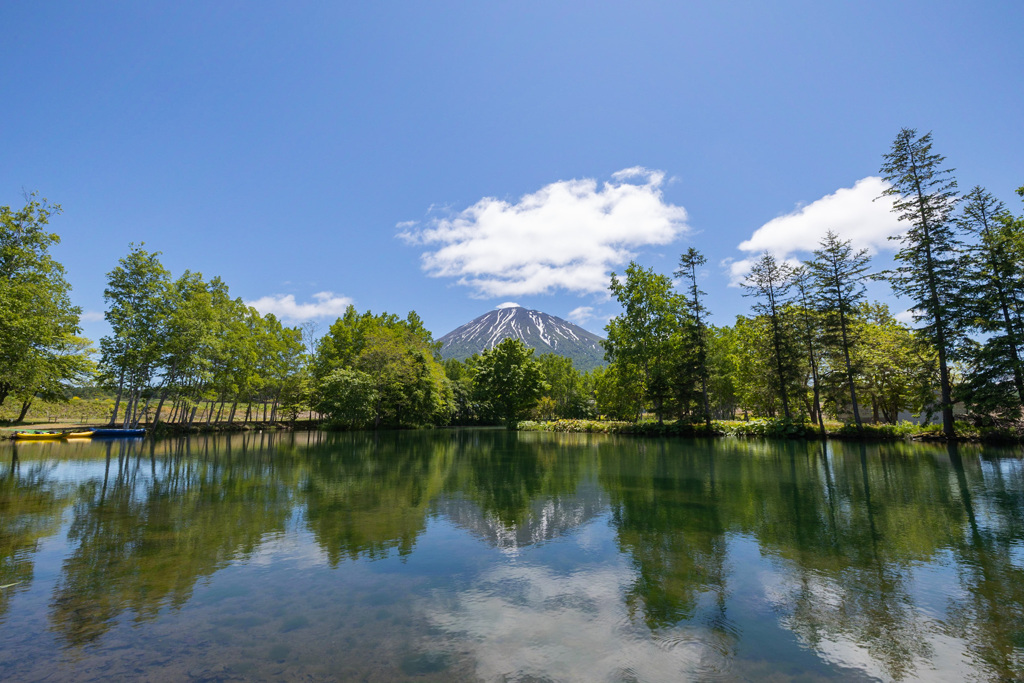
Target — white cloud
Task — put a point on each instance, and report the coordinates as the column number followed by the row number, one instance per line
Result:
column 851, row 212
column 906, row 317
column 91, row 316
column 507, row 304
column 581, row 314
column 324, row 305
column 528, row 622
column 567, row 235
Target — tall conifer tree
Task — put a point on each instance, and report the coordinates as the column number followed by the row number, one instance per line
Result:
column 839, row 273
column 769, row 281
column 994, row 269
column 928, row 264
column 809, row 322
column 690, row 260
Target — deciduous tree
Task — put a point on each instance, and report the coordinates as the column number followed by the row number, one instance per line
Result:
column 38, row 323
column 642, row 336
column 510, row 380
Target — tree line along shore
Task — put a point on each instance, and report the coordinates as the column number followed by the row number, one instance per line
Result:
column 813, row 357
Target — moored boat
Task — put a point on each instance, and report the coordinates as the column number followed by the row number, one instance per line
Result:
column 38, row 435
column 117, row 433
column 79, row 435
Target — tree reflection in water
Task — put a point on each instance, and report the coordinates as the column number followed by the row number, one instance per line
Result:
column 897, row 560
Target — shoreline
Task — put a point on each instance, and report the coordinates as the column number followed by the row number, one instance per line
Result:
column 755, row 429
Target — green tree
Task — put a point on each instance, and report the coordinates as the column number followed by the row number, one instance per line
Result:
column 348, row 398
column 136, row 296
column 38, row 323
column 466, row 408
column 897, row 365
column 752, row 356
column 689, row 261
column 929, row 267
column 399, row 356
column 770, row 281
column 510, row 380
column 993, row 296
column 619, row 391
column 722, row 368
column 566, row 387
column 809, row 329
column 188, row 327
column 643, row 335
column 839, row 273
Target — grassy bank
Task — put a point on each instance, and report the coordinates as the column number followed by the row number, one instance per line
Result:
column 778, row 429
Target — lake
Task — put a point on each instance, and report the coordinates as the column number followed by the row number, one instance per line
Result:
column 463, row 555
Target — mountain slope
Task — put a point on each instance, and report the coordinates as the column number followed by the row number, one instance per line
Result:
column 540, row 331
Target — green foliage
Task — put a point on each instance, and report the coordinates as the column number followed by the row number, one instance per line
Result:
column 569, row 393
column 575, row 426
column 397, row 358
column 348, row 398
column 769, row 283
column 901, row 430
column 929, row 266
column 39, row 350
column 619, row 391
column 776, row 428
column 839, row 274
column 137, row 309
column 187, row 342
column 697, row 339
column 723, row 360
column 897, row 366
column 509, row 380
column 466, row 408
column 994, row 299
column 643, row 338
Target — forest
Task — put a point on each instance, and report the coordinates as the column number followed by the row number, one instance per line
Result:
column 812, row 349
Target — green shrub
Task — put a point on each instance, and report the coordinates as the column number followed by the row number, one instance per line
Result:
column 776, row 428
column 901, row 430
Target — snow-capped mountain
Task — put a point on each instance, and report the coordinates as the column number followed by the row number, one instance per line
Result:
column 540, row 331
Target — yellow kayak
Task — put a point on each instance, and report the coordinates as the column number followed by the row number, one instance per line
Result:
column 38, row 435
column 78, row 435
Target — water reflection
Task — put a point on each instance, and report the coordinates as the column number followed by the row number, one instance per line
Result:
column 31, row 504
column 145, row 532
column 508, row 556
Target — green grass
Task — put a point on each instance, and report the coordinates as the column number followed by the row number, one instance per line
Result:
column 774, row 428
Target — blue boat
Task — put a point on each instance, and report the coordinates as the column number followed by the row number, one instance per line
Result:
column 117, row 433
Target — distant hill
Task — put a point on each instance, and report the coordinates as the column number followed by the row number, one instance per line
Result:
column 540, row 331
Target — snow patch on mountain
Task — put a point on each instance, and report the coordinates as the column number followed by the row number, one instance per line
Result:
column 538, row 330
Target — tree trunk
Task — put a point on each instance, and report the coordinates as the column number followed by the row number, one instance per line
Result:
column 849, row 372
column 144, row 413
column 128, row 409
column 26, row 404
column 159, row 407
column 777, row 343
column 273, row 409
column 117, row 401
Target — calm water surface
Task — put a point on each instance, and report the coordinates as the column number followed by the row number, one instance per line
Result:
column 482, row 555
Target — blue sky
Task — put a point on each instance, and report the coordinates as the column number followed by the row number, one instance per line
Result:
column 449, row 157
